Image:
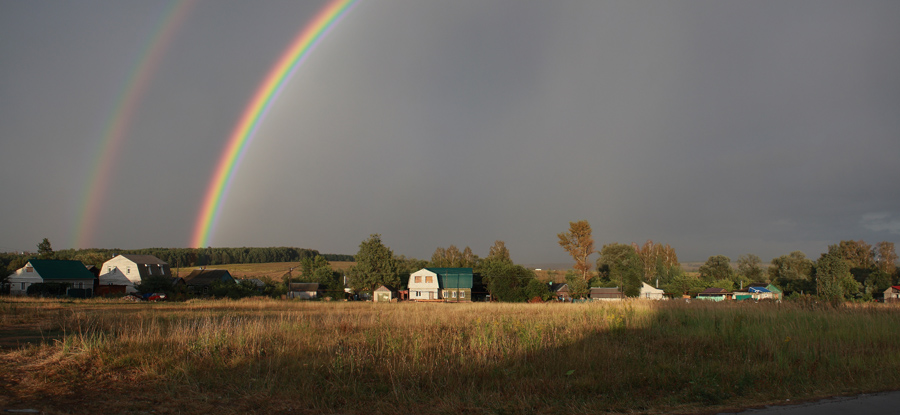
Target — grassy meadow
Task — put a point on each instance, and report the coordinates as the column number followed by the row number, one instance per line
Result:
column 268, row 356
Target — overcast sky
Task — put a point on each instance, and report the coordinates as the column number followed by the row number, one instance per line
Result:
column 718, row 127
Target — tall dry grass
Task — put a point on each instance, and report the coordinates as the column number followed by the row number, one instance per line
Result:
column 268, row 356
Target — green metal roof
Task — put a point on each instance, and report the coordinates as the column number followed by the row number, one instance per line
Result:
column 453, row 277
column 51, row 269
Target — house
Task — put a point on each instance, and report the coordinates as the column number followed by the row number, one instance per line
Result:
column 129, row 270
column 650, row 293
column 441, row 284
column 777, row 294
column 560, row 291
column 606, row 294
column 304, row 290
column 200, row 280
column 715, row 294
column 36, row 271
column 754, row 292
column 892, row 294
column 385, row 294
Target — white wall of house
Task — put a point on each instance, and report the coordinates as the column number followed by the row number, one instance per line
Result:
column 22, row 279
column 648, row 292
column 423, row 285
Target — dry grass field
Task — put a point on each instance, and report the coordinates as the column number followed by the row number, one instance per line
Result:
column 268, row 356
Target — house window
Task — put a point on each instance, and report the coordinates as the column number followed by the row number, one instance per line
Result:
column 418, row 294
column 23, row 286
column 429, row 279
column 418, row 278
column 128, row 270
column 462, row 294
column 454, row 294
column 29, row 269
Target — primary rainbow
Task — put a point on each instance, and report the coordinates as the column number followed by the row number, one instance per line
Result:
column 117, row 125
column 256, row 110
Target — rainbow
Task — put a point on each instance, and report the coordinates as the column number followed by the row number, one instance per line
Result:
column 118, row 122
column 256, row 110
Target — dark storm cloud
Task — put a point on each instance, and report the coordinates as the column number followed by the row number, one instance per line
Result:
column 716, row 127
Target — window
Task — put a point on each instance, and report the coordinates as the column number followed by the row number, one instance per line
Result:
column 418, row 294
column 128, row 270
column 462, row 294
column 429, row 279
column 418, row 278
column 454, row 294
column 23, row 286
column 29, row 269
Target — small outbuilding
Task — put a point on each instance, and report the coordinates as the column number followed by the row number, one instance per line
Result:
column 892, row 294
column 715, row 294
column 304, row 290
column 385, row 294
column 606, row 294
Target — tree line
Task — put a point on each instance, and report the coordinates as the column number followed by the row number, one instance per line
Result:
column 175, row 257
column 849, row 270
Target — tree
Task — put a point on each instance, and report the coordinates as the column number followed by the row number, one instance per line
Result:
column 375, row 266
column 611, row 258
column 792, row 272
column 621, row 264
column 498, row 252
column 749, row 266
column 858, row 254
column 45, row 251
column 717, row 267
column 504, row 280
column 885, row 257
column 579, row 244
column 833, row 279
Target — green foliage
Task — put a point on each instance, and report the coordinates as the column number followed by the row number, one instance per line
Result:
column 45, row 251
column 877, row 282
column 243, row 289
column 538, row 289
column 578, row 287
column 750, row 267
column 717, row 267
column 48, row 289
column 155, row 284
column 793, row 273
column 505, row 281
column 375, row 266
column 834, row 281
column 683, row 284
column 620, row 264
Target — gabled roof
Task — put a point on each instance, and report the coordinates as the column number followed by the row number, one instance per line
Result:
column 51, row 269
column 604, row 292
column 453, row 277
column 386, row 288
column 758, row 290
column 144, row 259
column 774, row 289
column 304, row 286
column 201, row 277
column 559, row 287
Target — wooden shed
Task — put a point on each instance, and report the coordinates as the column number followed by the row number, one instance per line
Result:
column 384, row 294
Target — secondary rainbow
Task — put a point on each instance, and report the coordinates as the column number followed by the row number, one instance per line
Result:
column 255, row 112
column 117, row 125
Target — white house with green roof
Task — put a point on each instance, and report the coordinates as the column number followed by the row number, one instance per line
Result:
column 38, row 271
column 441, row 284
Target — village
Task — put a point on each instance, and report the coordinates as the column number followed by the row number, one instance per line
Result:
column 124, row 274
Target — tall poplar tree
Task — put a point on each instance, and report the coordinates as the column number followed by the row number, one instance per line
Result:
column 579, row 243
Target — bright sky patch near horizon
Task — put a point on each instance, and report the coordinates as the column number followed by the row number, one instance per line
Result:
column 716, row 127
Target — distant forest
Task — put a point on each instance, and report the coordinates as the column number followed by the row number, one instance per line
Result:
column 181, row 257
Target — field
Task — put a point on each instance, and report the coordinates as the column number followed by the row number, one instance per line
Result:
column 268, row 356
